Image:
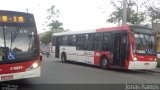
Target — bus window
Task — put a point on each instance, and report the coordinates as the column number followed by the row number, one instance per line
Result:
column 74, row 40
column 64, row 40
column 53, row 41
column 106, row 41
column 70, row 40
column 80, row 42
column 89, row 42
column 97, row 41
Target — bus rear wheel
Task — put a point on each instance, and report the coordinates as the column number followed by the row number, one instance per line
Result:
column 104, row 63
column 63, row 57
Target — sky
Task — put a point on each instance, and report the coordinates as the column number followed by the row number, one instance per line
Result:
column 74, row 14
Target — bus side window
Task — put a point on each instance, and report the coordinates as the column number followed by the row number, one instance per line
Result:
column 64, row 40
column 90, row 42
column 80, row 42
column 74, row 40
column 86, row 42
column 53, row 41
column 70, row 40
column 98, row 37
column 106, row 41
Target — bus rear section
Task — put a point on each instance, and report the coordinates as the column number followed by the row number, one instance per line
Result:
column 116, row 47
column 19, row 46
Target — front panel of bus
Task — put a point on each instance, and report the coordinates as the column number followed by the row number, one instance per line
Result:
column 19, row 53
column 143, row 49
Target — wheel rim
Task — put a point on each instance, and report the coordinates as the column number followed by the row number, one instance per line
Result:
column 104, row 62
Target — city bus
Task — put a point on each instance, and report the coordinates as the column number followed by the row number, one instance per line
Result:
column 123, row 47
column 19, row 46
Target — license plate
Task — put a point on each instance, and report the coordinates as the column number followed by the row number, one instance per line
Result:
column 9, row 77
column 146, row 64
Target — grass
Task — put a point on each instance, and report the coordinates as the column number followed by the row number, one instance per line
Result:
column 158, row 65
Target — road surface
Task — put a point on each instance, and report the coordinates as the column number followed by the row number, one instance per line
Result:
column 53, row 71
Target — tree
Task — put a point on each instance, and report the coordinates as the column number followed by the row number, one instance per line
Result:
column 56, row 26
column 153, row 14
column 153, row 11
column 46, row 38
column 53, row 24
column 133, row 17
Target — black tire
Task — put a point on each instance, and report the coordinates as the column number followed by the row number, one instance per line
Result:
column 104, row 63
column 63, row 57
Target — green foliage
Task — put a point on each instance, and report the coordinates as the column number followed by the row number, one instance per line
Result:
column 52, row 13
column 47, row 37
column 152, row 10
column 53, row 24
column 133, row 17
column 56, row 26
column 154, row 13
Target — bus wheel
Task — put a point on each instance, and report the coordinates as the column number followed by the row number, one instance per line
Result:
column 104, row 63
column 63, row 57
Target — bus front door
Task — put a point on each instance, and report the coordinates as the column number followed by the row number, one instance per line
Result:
column 119, row 52
column 57, row 47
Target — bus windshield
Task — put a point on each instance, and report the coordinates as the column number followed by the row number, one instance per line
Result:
column 17, row 43
column 144, row 43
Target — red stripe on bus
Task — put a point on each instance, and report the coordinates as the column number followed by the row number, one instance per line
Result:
column 113, row 29
column 15, row 67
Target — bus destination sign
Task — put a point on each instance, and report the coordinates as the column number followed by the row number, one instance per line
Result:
column 11, row 19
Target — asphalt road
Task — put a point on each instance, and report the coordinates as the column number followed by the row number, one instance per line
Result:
column 55, row 72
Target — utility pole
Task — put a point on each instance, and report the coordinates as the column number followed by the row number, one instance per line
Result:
column 124, row 12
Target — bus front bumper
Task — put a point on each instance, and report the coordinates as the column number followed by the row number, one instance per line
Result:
column 20, row 75
column 142, row 65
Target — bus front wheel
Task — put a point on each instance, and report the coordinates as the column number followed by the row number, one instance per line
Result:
column 104, row 63
column 63, row 57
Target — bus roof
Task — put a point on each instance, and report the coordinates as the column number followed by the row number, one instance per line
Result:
column 7, row 12
column 126, row 27
column 74, row 32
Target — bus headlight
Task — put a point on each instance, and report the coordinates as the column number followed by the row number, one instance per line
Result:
column 135, row 59
column 155, row 59
column 34, row 66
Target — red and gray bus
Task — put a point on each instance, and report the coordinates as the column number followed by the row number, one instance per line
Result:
column 19, row 46
column 125, row 47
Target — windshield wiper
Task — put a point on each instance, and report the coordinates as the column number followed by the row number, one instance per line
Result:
column 147, row 41
column 141, row 41
column 13, row 36
column 4, row 36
